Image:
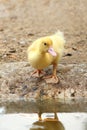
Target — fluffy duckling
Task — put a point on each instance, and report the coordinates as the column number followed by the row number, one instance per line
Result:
column 44, row 52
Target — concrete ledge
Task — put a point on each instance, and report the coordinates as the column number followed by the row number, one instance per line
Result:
column 16, row 83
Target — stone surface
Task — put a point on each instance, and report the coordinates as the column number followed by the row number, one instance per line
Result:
column 16, row 83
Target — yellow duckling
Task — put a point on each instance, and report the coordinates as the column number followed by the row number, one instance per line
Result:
column 44, row 52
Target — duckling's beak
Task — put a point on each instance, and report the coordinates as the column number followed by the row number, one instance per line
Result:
column 52, row 52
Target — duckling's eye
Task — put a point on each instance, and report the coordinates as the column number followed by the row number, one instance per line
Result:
column 45, row 44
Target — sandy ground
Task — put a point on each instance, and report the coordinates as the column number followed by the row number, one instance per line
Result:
column 21, row 22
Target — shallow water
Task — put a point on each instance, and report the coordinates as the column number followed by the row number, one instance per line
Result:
column 44, row 115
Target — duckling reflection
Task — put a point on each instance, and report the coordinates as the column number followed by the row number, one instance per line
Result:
column 47, row 123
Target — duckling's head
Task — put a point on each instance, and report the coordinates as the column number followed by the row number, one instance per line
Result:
column 46, row 45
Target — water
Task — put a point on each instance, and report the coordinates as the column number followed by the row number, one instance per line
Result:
column 44, row 115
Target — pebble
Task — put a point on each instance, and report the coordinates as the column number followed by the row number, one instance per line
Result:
column 12, row 50
column 68, row 54
column 14, row 39
column 1, row 29
column 4, row 41
column 22, row 43
column 30, row 34
column 72, row 91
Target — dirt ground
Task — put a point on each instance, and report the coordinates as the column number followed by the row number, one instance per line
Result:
column 23, row 21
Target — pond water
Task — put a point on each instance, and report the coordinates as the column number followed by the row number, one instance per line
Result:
column 44, row 115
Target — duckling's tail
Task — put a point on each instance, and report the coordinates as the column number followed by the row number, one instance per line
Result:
column 60, row 34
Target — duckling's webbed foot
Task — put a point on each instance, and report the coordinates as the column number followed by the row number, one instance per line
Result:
column 37, row 73
column 51, row 79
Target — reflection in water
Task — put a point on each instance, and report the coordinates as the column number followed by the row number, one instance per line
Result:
column 47, row 123
column 44, row 115
column 60, row 121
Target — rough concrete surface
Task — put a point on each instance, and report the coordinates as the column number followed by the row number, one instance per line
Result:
column 16, row 82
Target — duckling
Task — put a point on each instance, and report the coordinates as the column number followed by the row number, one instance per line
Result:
column 46, row 51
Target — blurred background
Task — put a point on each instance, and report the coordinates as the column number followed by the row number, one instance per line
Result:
column 22, row 21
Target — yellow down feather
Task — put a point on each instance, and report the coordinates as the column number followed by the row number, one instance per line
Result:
column 38, row 55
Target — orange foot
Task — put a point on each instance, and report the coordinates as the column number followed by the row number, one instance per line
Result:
column 37, row 73
column 51, row 79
